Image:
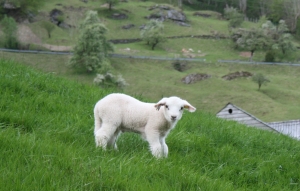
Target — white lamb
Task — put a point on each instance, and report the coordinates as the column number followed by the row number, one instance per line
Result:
column 117, row 113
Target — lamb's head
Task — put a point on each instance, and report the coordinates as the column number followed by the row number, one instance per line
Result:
column 173, row 108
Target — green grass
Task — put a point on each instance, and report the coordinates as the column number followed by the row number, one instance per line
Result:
column 47, row 143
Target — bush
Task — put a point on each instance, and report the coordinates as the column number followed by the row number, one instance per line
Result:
column 108, row 80
column 179, row 66
column 9, row 27
column 235, row 18
column 270, row 56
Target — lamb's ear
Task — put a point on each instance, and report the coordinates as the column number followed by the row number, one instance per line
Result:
column 162, row 102
column 189, row 107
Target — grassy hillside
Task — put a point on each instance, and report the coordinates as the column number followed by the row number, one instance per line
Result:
column 47, row 143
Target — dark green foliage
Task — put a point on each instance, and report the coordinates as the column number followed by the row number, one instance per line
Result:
column 179, row 66
column 277, row 11
column 9, row 27
column 270, row 56
column 298, row 29
column 235, row 18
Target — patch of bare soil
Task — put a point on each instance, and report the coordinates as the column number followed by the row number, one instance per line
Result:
column 245, row 54
column 192, row 78
column 57, row 48
column 26, row 36
column 235, row 75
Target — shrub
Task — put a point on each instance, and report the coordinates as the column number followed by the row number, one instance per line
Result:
column 9, row 27
column 270, row 56
column 235, row 18
column 179, row 66
column 108, row 80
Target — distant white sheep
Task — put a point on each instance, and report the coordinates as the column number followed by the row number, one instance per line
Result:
column 117, row 113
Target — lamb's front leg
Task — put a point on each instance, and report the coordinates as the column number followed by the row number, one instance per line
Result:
column 164, row 146
column 153, row 139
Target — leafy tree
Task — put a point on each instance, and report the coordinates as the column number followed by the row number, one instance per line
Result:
column 111, row 3
column 235, row 18
column 251, row 40
column 292, row 13
column 92, row 48
column 48, row 26
column 279, row 37
column 9, row 27
column 152, row 33
column 276, row 11
column 260, row 79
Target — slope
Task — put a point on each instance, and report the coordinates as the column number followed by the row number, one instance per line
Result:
column 46, row 143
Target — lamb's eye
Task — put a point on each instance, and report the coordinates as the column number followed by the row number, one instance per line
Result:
column 181, row 108
column 167, row 107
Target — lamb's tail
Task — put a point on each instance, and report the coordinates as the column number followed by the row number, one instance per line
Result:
column 98, row 121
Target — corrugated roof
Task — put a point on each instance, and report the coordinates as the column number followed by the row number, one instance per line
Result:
column 291, row 128
column 250, row 115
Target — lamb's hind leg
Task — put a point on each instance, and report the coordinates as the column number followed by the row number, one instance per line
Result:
column 112, row 143
column 104, row 135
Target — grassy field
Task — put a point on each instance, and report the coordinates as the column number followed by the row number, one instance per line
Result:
column 47, row 143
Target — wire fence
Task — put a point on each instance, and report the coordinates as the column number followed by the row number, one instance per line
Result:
column 151, row 57
column 111, row 55
column 254, row 62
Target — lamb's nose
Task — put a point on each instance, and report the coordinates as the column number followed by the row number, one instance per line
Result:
column 173, row 117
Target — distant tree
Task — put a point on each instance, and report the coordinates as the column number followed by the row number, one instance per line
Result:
column 92, row 48
column 251, row 40
column 111, row 3
column 276, row 11
column 260, row 79
column 152, row 33
column 48, row 26
column 292, row 13
column 235, row 18
column 278, row 36
column 9, row 28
